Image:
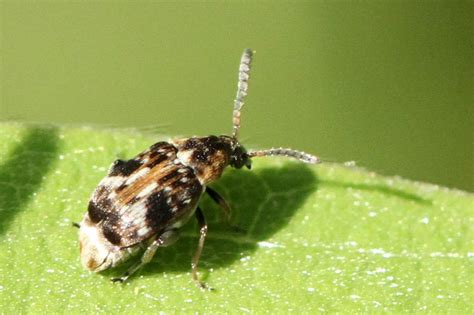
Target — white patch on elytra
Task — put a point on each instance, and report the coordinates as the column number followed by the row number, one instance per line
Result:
column 136, row 176
column 147, row 190
column 184, row 180
column 132, row 213
column 185, row 157
column 142, row 231
column 112, row 195
column 167, row 189
column 112, row 181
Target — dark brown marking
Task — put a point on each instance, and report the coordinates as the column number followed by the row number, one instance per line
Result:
column 133, row 200
column 111, row 235
column 206, row 149
column 101, row 192
column 99, row 206
column 92, row 264
column 121, row 187
column 163, row 146
column 169, row 176
column 162, row 157
column 194, row 187
column 124, row 168
column 96, row 214
column 191, row 144
column 159, row 212
column 159, row 145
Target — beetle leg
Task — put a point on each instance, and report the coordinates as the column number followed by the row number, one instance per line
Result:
column 165, row 239
column 202, row 237
column 225, row 206
column 220, row 201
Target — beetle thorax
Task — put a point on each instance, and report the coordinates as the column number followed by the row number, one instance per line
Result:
column 208, row 156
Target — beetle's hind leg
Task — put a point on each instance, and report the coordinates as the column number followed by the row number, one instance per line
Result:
column 165, row 239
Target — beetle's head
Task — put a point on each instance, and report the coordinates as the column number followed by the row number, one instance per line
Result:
column 239, row 157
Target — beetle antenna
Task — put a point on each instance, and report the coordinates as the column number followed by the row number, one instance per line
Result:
column 242, row 86
column 299, row 155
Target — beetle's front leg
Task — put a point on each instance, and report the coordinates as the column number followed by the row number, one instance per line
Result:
column 165, row 239
column 220, row 201
column 225, row 207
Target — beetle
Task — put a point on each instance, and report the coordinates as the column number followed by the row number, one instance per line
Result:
column 142, row 202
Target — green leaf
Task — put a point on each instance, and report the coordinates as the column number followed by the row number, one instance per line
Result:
column 322, row 238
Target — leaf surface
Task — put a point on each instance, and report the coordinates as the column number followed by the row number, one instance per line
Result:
column 322, row 238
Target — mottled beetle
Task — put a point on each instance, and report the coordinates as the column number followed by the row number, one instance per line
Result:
column 143, row 202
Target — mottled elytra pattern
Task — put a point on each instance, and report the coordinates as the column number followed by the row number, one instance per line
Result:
column 132, row 205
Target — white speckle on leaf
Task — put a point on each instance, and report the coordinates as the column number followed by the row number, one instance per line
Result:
column 310, row 289
column 351, row 243
column 425, row 220
column 350, row 164
column 377, row 251
column 269, row 245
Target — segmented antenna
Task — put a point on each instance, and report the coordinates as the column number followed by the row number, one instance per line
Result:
column 302, row 156
column 242, row 86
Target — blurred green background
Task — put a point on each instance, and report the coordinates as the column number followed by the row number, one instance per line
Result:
column 388, row 84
